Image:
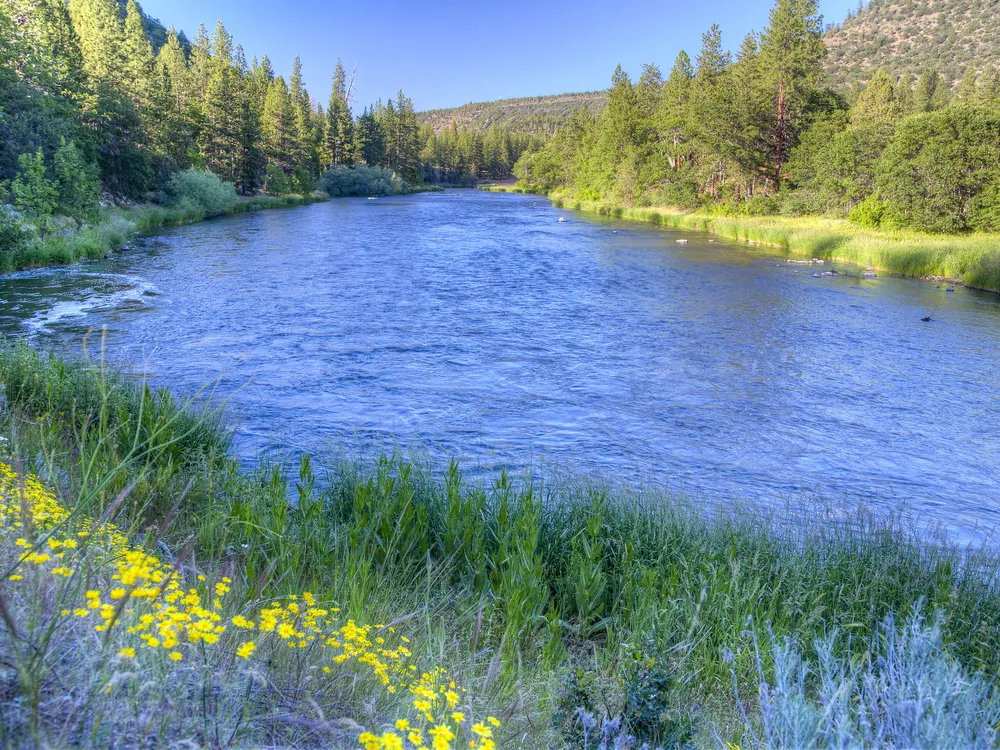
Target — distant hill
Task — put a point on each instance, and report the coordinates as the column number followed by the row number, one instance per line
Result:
column 903, row 36
column 537, row 114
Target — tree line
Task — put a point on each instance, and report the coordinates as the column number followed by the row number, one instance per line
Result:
column 89, row 104
column 760, row 133
column 461, row 155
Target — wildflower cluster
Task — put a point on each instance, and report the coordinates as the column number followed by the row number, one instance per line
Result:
column 438, row 720
column 146, row 607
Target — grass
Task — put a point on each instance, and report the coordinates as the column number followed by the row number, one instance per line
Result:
column 538, row 597
column 974, row 260
column 117, row 227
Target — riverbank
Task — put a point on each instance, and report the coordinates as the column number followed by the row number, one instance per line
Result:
column 536, row 599
column 972, row 260
column 119, row 226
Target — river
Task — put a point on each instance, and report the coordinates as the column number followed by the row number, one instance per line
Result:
column 477, row 326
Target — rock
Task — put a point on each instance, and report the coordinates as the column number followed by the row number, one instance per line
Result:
column 927, row 319
column 950, row 289
column 562, row 220
column 682, row 242
column 869, row 275
column 816, row 276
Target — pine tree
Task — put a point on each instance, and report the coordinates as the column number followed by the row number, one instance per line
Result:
column 34, row 193
column 77, row 188
column 139, row 60
column 218, row 139
column 45, row 35
column 968, row 89
column 931, row 93
column 877, row 102
column 278, row 127
column 98, row 23
column 302, row 121
column 791, row 60
column 675, row 110
column 250, row 159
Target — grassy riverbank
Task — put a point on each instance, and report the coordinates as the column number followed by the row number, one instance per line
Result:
column 974, row 260
column 116, row 227
column 535, row 599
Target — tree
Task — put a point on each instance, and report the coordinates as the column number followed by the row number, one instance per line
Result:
column 278, row 127
column 941, row 170
column 98, row 23
column 76, row 185
column 48, row 46
column 139, row 73
column 219, row 138
column 34, row 193
column 791, row 61
column 931, row 93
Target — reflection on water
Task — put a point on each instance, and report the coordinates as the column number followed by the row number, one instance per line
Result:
column 478, row 326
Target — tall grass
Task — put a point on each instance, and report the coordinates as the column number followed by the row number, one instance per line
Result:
column 117, row 227
column 972, row 259
column 541, row 598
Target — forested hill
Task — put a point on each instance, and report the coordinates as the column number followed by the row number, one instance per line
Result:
column 539, row 115
column 906, row 36
column 902, row 36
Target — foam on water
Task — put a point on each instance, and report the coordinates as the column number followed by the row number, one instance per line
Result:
column 126, row 290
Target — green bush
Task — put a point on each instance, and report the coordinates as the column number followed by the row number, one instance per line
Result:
column 345, row 181
column 13, row 236
column 195, row 187
column 869, row 213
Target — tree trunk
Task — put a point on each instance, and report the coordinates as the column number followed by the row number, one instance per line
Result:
column 779, row 131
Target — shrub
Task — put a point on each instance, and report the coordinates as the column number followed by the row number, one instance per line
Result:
column 904, row 690
column 345, row 181
column 13, row 236
column 200, row 188
column 869, row 213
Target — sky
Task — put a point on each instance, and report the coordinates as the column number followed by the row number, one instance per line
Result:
column 444, row 54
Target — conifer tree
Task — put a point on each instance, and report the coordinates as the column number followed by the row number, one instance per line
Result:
column 791, row 61
column 98, row 24
column 139, row 77
column 77, row 188
column 34, row 193
column 968, row 89
column 218, row 139
column 278, row 127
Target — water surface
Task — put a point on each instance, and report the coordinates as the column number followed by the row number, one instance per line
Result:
column 478, row 326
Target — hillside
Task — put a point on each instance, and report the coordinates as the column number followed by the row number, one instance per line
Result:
column 537, row 114
column 903, row 36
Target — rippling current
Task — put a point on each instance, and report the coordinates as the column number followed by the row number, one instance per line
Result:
column 477, row 326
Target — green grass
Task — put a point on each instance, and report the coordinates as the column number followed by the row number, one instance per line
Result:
column 117, row 227
column 541, row 595
column 974, row 260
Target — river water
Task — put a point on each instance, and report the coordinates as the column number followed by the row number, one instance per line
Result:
column 478, row 326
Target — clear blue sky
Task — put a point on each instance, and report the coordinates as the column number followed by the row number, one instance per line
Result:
column 443, row 54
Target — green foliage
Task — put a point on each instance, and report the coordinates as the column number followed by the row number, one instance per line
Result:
column 365, row 181
column 12, row 238
column 78, row 187
column 869, row 213
column 941, row 171
column 34, row 193
column 202, row 189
